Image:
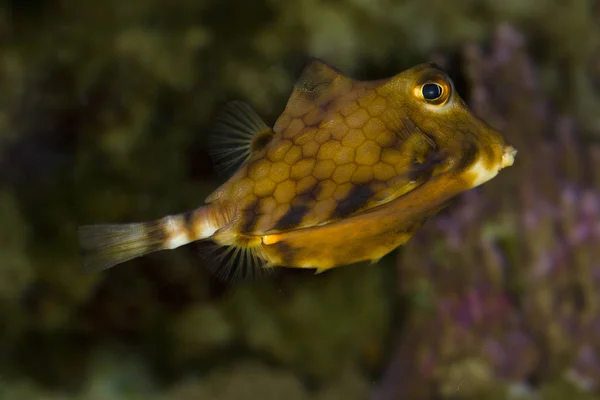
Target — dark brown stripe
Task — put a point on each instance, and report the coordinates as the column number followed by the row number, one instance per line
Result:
column 249, row 217
column 469, row 155
column 314, row 191
column 423, row 171
column 292, row 218
column 188, row 220
column 286, row 252
column 356, row 199
column 299, row 208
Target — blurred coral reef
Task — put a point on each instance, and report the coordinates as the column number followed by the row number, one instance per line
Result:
column 508, row 295
column 103, row 113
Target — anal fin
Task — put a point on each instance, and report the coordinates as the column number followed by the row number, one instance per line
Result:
column 236, row 263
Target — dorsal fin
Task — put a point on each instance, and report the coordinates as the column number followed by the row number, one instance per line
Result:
column 316, row 78
column 237, row 133
column 317, row 84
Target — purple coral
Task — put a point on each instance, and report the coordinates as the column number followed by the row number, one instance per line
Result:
column 516, row 275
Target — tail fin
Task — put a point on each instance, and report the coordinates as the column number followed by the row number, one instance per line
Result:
column 104, row 246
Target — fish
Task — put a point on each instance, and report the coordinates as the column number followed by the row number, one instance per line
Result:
column 348, row 172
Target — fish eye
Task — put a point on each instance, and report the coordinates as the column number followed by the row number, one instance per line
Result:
column 433, row 87
column 431, row 91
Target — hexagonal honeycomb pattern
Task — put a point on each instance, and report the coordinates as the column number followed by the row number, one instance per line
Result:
column 324, row 163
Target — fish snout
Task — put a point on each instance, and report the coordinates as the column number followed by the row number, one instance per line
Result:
column 508, row 156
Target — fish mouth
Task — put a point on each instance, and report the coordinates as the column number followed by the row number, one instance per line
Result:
column 508, row 156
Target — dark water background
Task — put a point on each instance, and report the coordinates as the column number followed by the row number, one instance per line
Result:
column 104, row 107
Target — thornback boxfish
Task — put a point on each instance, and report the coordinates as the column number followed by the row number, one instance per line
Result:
column 347, row 173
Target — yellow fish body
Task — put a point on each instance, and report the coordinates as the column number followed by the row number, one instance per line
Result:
column 347, row 173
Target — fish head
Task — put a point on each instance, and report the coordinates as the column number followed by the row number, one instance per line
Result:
column 425, row 98
column 343, row 146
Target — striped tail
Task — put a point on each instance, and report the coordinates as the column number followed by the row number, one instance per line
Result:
column 106, row 245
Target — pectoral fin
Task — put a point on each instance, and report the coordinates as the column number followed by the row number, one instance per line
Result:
column 237, row 133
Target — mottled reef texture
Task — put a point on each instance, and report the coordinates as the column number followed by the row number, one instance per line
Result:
column 103, row 113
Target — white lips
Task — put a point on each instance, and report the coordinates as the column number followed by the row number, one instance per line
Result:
column 480, row 173
column 508, row 156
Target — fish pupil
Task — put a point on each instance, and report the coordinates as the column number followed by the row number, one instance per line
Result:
column 431, row 91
